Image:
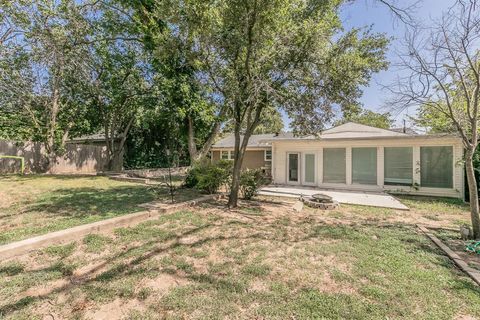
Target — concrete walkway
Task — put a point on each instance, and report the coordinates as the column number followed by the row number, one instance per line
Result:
column 374, row 199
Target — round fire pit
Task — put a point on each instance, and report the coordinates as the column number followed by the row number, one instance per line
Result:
column 320, row 201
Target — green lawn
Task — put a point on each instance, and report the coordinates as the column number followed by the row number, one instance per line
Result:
column 262, row 261
column 440, row 212
column 34, row 205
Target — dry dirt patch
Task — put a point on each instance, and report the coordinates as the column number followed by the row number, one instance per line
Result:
column 261, row 260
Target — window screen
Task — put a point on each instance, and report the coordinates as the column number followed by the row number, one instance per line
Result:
column 225, row 155
column 364, row 165
column 334, row 165
column 309, row 168
column 398, row 166
column 436, row 167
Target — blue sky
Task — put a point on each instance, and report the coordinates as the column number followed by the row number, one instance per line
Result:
column 370, row 12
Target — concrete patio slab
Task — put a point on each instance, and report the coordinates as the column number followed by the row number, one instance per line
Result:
column 374, row 199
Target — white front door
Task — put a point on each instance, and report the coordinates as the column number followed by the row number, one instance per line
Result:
column 293, row 168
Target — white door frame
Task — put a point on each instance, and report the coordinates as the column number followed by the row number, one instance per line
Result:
column 314, row 168
column 299, row 166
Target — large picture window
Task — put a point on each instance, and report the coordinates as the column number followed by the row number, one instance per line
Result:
column 309, row 168
column 364, row 165
column 436, row 167
column 334, row 165
column 398, row 166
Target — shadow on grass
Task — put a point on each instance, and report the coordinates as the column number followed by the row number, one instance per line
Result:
column 157, row 246
column 82, row 202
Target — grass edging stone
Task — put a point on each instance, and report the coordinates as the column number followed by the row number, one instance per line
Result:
column 153, row 210
column 472, row 273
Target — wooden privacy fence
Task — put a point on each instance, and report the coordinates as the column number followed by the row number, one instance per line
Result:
column 78, row 158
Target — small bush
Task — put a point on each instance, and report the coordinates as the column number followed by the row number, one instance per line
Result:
column 191, row 179
column 208, row 177
column 250, row 182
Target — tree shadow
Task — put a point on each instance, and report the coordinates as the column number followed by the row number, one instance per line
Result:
column 82, row 202
column 122, row 264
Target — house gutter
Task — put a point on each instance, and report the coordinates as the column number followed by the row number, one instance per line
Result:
column 366, row 138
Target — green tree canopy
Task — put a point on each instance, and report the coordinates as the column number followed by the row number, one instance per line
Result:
column 288, row 54
column 367, row 117
column 270, row 122
column 42, row 63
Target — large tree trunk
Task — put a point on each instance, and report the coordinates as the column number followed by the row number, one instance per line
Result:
column 114, row 148
column 252, row 117
column 211, row 136
column 50, row 141
column 192, row 146
column 116, row 161
column 237, row 167
column 239, row 153
column 473, row 191
column 235, row 188
column 108, row 143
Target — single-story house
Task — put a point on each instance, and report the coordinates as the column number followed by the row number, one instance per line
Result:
column 358, row 157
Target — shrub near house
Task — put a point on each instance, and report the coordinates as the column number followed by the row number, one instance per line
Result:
column 211, row 177
column 208, row 177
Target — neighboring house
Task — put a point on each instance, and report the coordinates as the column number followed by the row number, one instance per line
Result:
column 358, row 157
column 258, row 153
column 98, row 140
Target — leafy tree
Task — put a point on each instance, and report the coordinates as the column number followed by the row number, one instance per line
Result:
column 119, row 93
column 284, row 54
column 42, row 56
column 158, row 131
column 270, row 122
column 433, row 120
column 367, row 117
column 444, row 64
column 186, row 103
column 173, row 56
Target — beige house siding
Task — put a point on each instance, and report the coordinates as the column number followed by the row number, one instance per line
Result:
column 253, row 159
column 281, row 148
